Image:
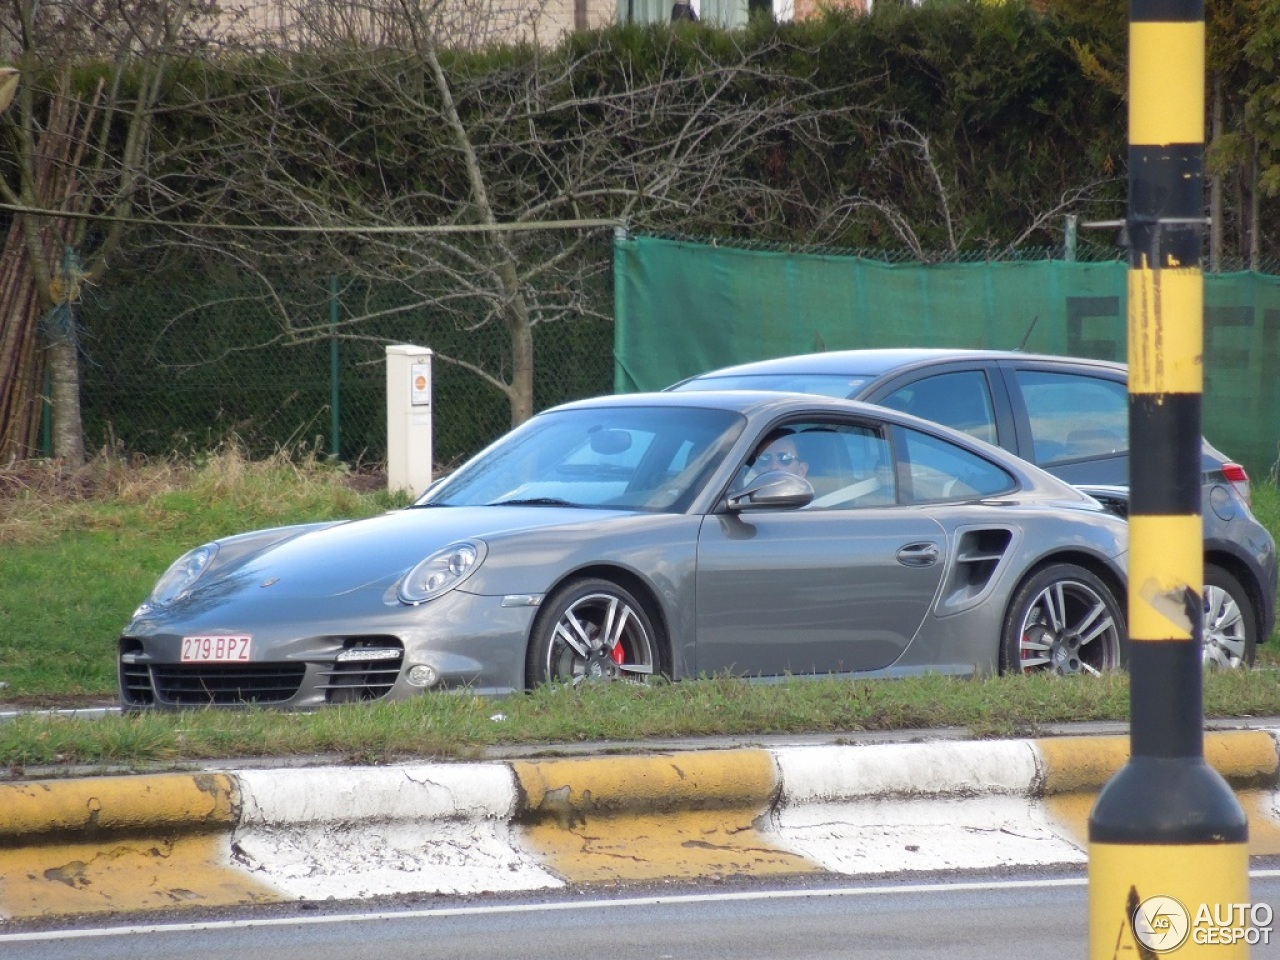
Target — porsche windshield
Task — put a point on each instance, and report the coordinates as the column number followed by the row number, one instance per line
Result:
column 625, row 458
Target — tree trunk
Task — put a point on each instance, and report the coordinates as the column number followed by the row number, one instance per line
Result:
column 1215, row 181
column 1255, row 213
column 521, row 393
column 64, row 372
column 21, row 356
column 519, row 324
column 43, row 249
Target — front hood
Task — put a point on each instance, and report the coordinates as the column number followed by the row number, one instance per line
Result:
column 375, row 553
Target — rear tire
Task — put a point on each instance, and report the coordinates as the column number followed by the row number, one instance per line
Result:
column 592, row 631
column 1063, row 620
column 1230, row 624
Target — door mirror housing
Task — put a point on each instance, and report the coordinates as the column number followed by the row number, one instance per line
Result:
column 774, row 490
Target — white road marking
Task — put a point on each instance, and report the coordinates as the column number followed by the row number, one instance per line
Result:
column 515, row 908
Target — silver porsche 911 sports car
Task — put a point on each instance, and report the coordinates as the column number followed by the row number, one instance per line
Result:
column 761, row 535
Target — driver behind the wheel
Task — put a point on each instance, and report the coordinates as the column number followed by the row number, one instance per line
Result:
column 778, row 452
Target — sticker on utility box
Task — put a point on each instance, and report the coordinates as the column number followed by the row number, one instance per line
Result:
column 420, row 380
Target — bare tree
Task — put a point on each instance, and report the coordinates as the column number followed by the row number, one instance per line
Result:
column 906, row 165
column 74, row 149
column 438, row 175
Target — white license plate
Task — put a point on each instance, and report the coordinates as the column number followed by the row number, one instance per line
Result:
column 216, row 649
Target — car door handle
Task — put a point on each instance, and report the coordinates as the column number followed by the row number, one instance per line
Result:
column 918, row 555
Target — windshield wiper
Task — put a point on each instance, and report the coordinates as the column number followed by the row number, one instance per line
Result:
column 534, row 502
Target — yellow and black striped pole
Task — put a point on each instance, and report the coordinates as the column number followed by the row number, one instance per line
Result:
column 1166, row 835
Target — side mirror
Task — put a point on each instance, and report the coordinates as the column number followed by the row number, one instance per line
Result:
column 775, row 490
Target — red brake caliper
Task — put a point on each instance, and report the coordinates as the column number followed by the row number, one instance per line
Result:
column 616, row 654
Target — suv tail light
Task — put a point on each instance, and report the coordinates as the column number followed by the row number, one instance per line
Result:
column 1238, row 477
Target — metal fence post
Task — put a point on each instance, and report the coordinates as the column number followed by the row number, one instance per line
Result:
column 335, row 394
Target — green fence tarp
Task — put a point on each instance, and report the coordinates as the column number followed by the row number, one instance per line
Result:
column 683, row 307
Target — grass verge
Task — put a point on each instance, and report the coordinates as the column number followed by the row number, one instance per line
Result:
column 77, row 555
column 461, row 726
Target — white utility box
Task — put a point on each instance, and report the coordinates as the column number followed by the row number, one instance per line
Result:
column 408, row 418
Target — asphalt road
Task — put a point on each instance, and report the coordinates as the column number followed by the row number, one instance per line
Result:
column 983, row 918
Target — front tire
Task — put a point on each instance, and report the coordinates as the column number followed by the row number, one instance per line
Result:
column 1230, row 627
column 592, row 630
column 1063, row 620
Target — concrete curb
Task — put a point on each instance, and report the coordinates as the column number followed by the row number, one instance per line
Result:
column 142, row 843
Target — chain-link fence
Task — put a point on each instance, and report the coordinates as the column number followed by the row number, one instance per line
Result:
column 182, row 360
column 184, row 363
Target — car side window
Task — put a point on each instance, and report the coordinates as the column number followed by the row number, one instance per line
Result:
column 1074, row 417
column 937, row 470
column 961, row 401
column 848, row 465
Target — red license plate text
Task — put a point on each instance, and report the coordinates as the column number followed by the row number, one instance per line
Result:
column 216, row 649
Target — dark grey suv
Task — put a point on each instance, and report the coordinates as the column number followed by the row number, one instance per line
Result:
column 1067, row 415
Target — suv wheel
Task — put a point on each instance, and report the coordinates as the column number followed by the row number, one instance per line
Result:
column 1230, row 627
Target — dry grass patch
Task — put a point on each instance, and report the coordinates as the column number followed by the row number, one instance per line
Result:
column 42, row 500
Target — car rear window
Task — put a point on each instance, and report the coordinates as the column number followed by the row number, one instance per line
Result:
column 1075, row 417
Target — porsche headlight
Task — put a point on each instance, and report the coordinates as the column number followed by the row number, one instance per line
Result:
column 441, row 572
column 184, row 572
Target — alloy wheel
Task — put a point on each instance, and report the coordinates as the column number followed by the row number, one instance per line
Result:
column 600, row 637
column 1068, row 628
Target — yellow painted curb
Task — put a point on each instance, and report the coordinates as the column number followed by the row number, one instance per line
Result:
column 125, row 876
column 675, row 781
column 50, row 807
column 1075, row 769
column 646, row 818
column 120, row 844
column 1246, row 758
